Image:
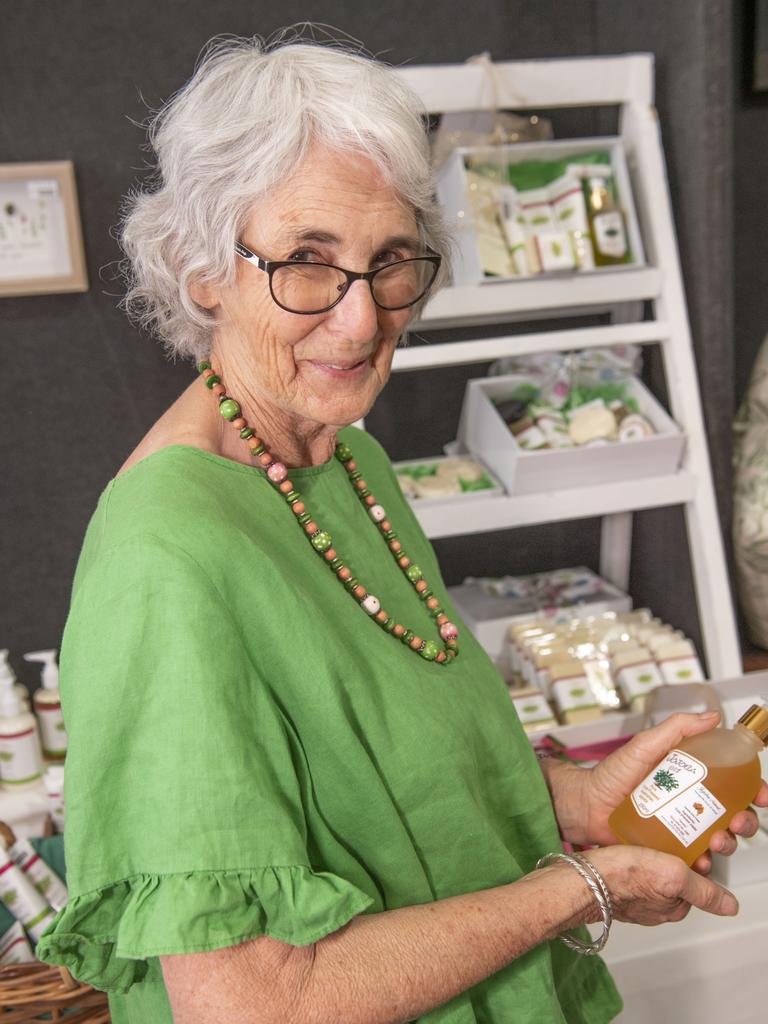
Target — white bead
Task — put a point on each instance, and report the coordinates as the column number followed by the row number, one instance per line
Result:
column 377, row 513
column 371, row 604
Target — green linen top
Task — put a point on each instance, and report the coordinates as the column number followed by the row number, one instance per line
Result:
column 250, row 754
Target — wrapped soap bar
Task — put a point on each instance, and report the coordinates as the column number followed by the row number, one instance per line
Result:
column 572, row 693
column 534, row 712
column 679, row 663
column 636, row 674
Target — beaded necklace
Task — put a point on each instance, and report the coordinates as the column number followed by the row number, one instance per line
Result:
column 277, row 474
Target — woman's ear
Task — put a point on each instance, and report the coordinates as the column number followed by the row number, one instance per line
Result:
column 205, row 294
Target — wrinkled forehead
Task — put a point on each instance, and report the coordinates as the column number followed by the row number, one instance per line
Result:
column 337, row 195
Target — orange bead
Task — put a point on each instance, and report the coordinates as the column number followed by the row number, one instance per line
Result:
column 395, row 546
column 238, row 423
column 404, row 562
column 441, row 618
column 361, row 485
column 218, row 389
column 421, row 586
column 350, row 466
column 385, row 526
column 416, row 643
column 441, row 656
column 398, row 630
column 207, row 373
column 298, row 507
column 359, row 592
column 381, row 616
column 370, row 500
column 253, row 442
column 330, row 554
column 432, row 603
column 311, row 526
column 265, row 459
column 286, row 487
column 344, row 574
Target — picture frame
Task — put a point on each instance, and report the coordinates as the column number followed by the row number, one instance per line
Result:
column 41, row 240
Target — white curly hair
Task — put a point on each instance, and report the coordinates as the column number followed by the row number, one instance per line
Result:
column 243, row 121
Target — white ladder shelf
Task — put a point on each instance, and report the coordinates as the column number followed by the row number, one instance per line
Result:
column 626, row 82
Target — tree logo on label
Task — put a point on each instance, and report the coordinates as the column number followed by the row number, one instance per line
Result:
column 665, row 780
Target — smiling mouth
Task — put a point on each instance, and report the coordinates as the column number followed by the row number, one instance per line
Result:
column 345, row 366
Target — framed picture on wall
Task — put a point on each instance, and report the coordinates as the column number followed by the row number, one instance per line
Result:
column 41, row 241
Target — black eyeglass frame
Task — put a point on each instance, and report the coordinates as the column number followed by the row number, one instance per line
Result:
column 270, row 266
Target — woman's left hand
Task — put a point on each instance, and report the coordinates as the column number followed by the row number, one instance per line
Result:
column 584, row 798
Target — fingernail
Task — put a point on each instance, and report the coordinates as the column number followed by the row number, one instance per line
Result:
column 708, row 714
column 731, row 905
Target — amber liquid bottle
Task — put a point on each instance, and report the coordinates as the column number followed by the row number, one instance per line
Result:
column 696, row 789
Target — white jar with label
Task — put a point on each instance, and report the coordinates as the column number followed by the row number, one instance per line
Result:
column 47, row 702
column 21, row 759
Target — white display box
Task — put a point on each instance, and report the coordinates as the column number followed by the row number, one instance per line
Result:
column 489, row 617
column 468, row 496
column 735, row 695
column 485, row 435
column 452, row 193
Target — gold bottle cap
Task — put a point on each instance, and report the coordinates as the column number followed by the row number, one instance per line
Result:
column 756, row 719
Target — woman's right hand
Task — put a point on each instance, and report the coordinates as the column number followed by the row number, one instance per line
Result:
column 648, row 887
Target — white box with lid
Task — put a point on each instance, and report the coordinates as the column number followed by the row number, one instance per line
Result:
column 484, row 434
column 452, row 193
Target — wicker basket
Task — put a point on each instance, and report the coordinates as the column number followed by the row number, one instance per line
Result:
column 36, row 992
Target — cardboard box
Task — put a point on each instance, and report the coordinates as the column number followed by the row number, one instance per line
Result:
column 485, row 435
column 452, row 193
column 489, row 617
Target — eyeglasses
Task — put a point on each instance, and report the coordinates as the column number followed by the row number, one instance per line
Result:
column 308, row 288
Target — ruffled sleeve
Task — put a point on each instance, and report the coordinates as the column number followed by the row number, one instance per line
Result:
column 105, row 937
column 186, row 829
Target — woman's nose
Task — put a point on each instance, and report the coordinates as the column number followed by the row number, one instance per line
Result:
column 357, row 313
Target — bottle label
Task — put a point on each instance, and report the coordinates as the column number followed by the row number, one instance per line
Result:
column 610, row 236
column 675, row 795
column 20, row 757
column 52, row 732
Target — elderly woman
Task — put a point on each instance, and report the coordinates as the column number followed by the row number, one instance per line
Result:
column 297, row 791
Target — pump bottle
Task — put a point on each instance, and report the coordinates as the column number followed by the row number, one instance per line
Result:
column 21, row 762
column 47, row 702
column 8, row 678
column 696, row 789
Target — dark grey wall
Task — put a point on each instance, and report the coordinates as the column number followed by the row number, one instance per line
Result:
column 750, row 207
column 80, row 387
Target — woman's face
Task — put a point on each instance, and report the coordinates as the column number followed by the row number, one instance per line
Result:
column 326, row 367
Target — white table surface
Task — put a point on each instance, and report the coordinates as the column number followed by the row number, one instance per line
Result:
column 703, row 970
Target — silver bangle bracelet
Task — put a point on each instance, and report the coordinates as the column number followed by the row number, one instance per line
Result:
column 599, row 890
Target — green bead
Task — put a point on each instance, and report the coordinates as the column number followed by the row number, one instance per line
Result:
column 352, row 582
column 389, row 625
column 304, row 518
column 292, row 496
column 407, row 636
column 256, row 452
column 430, row 650
column 413, row 572
column 229, row 408
column 365, row 493
column 390, row 535
column 355, row 474
column 212, row 381
column 336, row 564
column 343, row 452
column 437, row 611
column 321, row 541
column 203, row 365
column 245, row 433
column 425, row 594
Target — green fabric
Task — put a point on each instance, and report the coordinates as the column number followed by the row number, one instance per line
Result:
column 249, row 754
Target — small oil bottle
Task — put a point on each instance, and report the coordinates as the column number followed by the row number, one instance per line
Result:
column 606, row 222
column 696, row 789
